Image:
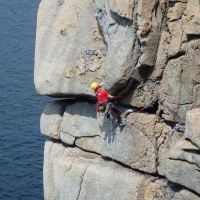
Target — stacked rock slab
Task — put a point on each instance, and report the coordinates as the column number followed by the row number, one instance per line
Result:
column 70, row 173
column 151, row 150
column 147, row 51
column 180, row 162
column 134, row 145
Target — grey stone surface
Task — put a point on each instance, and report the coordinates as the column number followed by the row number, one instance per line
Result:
column 74, row 176
column 178, row 83
column 79, row 120
column 147, row 52
column 192, row 131
column 80, row 60
column 180, row 161
column 51, row 118
column 175, row 12
column 162, row 55
column 119, row 34
column 183, row 174
column 122, row 8
column 175, row 28
column 144, row 95
column 136, row 144
column 67, row 139
column 190, row 19
column 186, row 195
column 69, row 48
column 111, row 40
column 70, row 173
column 93, row 144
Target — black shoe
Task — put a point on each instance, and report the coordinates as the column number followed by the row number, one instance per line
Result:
column 107, row 115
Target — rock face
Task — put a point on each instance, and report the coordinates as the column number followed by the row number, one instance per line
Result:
column 70, row 173
column 135, row 145
column 192, row 131
column 180, row 162
column 146, row 51
column 143, row 40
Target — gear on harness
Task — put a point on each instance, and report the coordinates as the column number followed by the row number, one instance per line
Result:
column 102, row 107
column 104, row 104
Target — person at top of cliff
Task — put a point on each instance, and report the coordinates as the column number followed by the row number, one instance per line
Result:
column 103, row 98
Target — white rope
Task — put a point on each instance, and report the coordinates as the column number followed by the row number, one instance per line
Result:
column 96, row 170
column 98, row 190
column 113, row 156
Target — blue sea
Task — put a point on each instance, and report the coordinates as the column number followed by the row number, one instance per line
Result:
column 21, row 144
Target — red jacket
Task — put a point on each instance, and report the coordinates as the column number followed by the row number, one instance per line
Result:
column 102, row 97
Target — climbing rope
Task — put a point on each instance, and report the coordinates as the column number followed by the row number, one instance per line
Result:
column 97, row 183
column 140, row 110
column 113, row 158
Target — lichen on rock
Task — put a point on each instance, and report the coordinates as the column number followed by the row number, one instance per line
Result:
column 145, row 51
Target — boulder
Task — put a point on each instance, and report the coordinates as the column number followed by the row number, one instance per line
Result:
column 70, row 50
column 175, row 12
column 91, row 144
column 186, row 195
column 120, row 36
column 74, row 174
column 136, row 144
column 70, row 173
column 80, row 120
column 180, row 163
column 106, row 41
column 192, row 131
column 179, row 83
column 191, row 19
column 175, row 28
column 144, row 95
column 51, row 118
column 67, row 139
column 162, row 56
column 122, row 8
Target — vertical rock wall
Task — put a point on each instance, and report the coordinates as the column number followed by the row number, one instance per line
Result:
column 147, row 52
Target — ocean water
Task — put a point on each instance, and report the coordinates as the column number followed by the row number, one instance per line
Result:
column 21, row 144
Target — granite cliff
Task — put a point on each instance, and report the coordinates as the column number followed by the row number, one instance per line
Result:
column 147, row 51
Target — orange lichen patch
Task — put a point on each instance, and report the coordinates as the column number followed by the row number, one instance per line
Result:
column 145, row 29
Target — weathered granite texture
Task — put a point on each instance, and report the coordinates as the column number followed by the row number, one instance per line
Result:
column 180, row 161
column 145, row 144
column 136, row 145
column 147, row 51
column 192, row 131
column 70, row 173
column 150, row 45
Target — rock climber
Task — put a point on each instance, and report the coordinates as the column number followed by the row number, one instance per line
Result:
column 103, row 99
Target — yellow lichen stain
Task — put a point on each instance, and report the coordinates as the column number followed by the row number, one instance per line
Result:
column 149, row 192
column 145, row 29
column 68, row 73
column 153, row 192
column 80, row 65
column 96, row 35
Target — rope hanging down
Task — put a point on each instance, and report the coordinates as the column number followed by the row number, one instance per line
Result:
column 114, row 152
column 113, row 157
